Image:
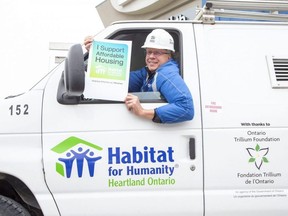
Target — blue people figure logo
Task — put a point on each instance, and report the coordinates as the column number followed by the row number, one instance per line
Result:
column 74, row 151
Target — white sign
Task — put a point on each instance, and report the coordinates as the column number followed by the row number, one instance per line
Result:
column 107, row 77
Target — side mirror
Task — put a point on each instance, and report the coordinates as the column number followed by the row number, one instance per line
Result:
column 72, row 82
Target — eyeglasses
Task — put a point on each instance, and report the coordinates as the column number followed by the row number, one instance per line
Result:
column 155, row 53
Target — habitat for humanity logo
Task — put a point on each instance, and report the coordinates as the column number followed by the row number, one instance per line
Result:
column 75, row 152
column 258, row 156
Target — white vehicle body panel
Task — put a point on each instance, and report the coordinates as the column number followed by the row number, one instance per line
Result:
column 100, row 159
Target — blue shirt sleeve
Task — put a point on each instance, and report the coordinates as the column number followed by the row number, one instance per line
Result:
column 180, row 103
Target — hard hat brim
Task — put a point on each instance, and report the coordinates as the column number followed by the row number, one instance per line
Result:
column 153, row 46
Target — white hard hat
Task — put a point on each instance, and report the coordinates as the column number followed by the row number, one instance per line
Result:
column 159, row 39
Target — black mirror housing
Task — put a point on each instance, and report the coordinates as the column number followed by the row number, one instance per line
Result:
column 72, row 83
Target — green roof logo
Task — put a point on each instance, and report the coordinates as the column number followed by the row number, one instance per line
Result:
column 74, row 151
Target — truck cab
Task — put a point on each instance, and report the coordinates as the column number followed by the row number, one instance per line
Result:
column 65, row 154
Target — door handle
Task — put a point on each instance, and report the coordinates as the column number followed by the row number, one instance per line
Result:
column 192, row 152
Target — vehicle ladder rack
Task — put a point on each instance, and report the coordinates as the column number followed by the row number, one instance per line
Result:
column 243, row 9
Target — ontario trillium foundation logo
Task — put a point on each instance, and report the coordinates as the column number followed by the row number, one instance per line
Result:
column 73, row 152
column 258, row 156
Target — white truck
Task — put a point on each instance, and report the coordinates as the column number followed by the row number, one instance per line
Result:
column 62, row 154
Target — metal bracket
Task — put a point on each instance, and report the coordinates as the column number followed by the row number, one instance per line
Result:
column 245, row 9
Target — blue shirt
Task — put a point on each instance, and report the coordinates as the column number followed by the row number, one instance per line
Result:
column 170, row 84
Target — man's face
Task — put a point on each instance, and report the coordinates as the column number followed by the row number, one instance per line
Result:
column 156, row 57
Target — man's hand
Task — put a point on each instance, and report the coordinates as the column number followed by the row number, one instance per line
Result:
column 87, row 42
column 133, row 104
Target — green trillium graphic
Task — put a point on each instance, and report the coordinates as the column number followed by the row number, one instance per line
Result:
column 258, row 156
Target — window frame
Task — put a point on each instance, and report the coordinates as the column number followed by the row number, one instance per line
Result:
column 177, row 36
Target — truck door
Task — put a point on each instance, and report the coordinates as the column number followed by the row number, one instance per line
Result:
column 100, row 159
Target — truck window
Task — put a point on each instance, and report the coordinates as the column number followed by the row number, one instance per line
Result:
column 138, row 38
column 138, row 59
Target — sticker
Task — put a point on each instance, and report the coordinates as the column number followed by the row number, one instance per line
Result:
column 213, row 107
column 74, row 151
column 125, row 166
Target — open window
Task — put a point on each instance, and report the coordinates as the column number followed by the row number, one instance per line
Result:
column 137, row 36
